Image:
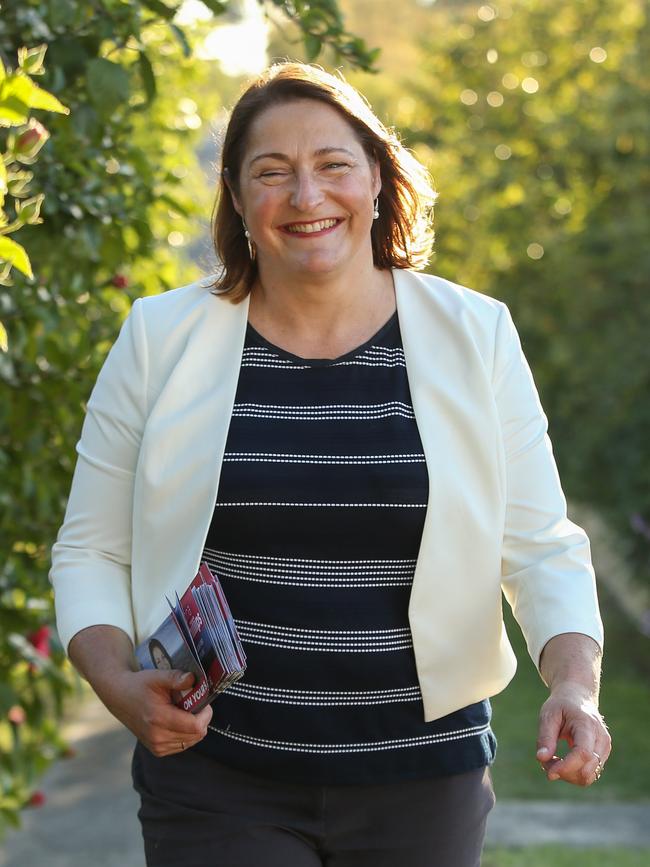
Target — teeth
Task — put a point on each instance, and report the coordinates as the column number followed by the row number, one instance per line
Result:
column 311, row 227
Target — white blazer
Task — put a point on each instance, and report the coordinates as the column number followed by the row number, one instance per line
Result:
column 152, row 445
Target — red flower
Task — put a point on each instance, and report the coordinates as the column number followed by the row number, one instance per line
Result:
column 36, row 799
column 120, row 281
column 41, row 640
column 16, row 715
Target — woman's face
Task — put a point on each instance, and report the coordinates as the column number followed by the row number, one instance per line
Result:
column 306, row 192
column 159, row 658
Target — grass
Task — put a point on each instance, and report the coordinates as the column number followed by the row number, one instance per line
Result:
column 625, row 703
column 562, row 856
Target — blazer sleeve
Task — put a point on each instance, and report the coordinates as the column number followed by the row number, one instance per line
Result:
column 91, row 559
column 547, row 574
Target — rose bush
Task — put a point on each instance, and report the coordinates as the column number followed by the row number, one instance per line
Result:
column 106, row 201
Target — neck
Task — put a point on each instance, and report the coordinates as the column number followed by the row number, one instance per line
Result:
column 318, row 301
column 322, row 315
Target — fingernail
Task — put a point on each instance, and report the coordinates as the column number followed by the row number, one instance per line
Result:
column 542, row 751
column 553, row 777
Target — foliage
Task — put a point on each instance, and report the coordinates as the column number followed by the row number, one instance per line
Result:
column 532, row 117
column 320, row 24
column 19, row 94
column 122, row 199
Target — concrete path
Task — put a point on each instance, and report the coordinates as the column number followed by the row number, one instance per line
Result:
column 89, row 817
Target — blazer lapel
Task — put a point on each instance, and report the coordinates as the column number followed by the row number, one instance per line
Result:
column 182, row 448
column 454, row 409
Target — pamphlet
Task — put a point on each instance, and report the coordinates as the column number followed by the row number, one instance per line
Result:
column 198, row 635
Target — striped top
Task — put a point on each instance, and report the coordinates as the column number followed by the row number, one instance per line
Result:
column 315, row 537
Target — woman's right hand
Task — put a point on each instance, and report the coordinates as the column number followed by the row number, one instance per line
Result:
column 141, row 700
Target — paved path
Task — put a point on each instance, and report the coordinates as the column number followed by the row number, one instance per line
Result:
column 89, row 817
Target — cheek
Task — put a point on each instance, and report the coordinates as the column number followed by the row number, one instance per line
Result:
column 262, row 206
column 359, row 193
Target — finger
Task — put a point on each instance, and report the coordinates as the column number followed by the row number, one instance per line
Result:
column 204, row 716
column 162, row 741
column 171, row 679
column 164, row 746
column 578, row 767
column 581, row 766
column 548, row 732
column 159, row 714
column 177, row 722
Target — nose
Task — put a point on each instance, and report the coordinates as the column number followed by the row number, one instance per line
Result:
column 306, row 194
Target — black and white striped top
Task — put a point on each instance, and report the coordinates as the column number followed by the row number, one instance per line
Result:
column 315, row 536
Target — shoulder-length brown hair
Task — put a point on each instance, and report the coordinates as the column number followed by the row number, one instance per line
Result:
column 402, row 236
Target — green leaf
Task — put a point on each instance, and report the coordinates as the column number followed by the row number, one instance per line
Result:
column 160, row 8
column 216, row 6
column 40, row 98
column 107, row 83
column 148, row 78
column 182, row 39
column 16, row 255
column 62, row 14
column 19, row 86
column 13, row 111
column 313, row 46
column 173, row 203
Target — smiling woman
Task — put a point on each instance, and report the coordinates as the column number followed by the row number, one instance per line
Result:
column 359, row 453
column 315, row 138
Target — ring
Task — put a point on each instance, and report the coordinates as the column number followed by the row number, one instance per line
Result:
column 182, row 743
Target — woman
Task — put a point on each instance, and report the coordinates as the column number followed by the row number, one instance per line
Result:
column 363, row 524
column 160, row 659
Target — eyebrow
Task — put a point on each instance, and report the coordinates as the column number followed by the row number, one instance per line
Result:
column 319, row 153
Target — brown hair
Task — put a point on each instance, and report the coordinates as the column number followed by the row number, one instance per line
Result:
column 402, row 236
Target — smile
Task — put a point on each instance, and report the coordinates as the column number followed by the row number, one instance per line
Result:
column 311, row 228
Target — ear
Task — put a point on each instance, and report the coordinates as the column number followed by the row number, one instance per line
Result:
column 235, row 201
column 376, row 178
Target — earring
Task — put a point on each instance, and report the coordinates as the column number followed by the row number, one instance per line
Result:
column 251, row 245
column 375, row 213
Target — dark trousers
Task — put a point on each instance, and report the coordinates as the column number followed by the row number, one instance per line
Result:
column 198, row 813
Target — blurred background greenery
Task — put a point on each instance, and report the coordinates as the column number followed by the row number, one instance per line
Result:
column 532, row 117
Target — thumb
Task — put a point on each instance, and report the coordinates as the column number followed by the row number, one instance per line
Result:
column 175, row 679
column 547, row 735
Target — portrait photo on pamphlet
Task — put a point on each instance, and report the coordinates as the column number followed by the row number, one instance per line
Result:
column 167, row 649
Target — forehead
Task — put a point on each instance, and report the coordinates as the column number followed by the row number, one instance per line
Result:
column 300, row 125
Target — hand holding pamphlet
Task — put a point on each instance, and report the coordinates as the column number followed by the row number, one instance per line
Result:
column 199, row 636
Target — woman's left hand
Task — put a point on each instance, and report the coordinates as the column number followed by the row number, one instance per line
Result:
column 570, row 714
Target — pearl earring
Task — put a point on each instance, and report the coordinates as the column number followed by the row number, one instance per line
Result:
column 375, row 213
column 251, row 245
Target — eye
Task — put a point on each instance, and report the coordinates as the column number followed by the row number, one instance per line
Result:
column 337, row 166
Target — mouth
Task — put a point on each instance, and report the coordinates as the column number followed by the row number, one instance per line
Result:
column 316, row 227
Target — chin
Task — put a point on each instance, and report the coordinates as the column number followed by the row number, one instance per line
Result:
column 322, row 265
